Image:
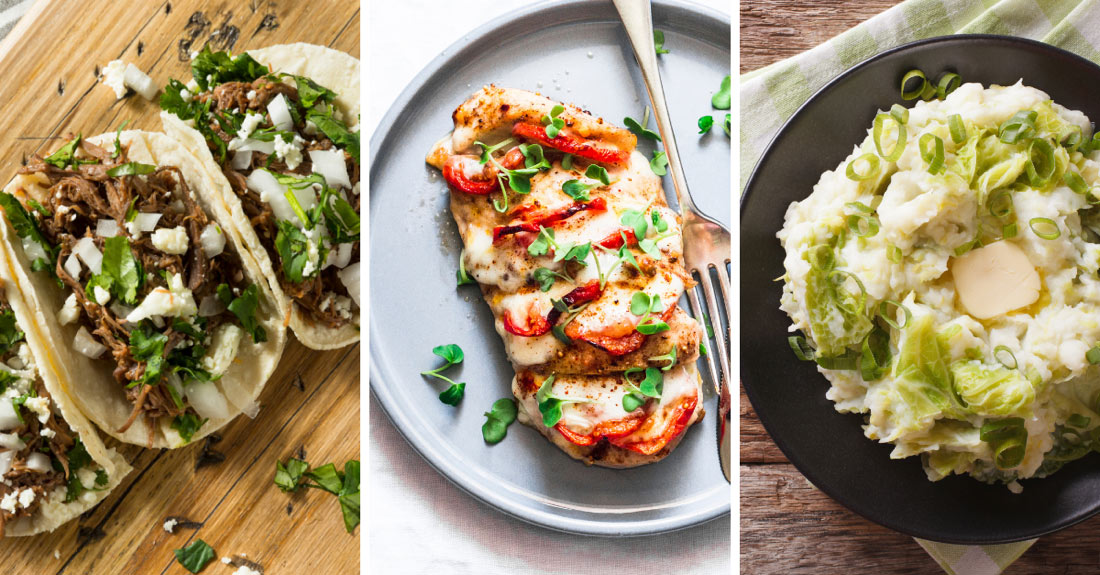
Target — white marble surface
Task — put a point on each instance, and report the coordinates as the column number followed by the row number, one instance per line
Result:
column 419, row 522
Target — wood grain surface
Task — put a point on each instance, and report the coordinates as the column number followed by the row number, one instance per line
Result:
column 787, row 525
column 310, row 406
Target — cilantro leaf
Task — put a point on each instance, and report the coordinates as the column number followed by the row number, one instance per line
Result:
column 289, row 477
column 9, row 331
column 196, row 556
column 212, row 68
column 64, row 155
column 147, row 345
column 293, row 250
column 310, row 92
column 244, row 307
column 327, row 478
column 25, row 226
column 131, row 169
column 120, row 272
column 187, row 424
column 336, row 131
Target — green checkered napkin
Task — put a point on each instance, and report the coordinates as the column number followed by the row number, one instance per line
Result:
column 771, row 95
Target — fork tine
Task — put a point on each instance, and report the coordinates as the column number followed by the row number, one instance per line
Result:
column 720, row 339
column 697, row 311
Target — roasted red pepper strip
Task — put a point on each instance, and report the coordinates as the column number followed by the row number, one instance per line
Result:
column 608, row 429
column 532, row 222
column 678, row 420
column 583, row 294
column 454, row 171
column 613, row 344
column 614, row 241
column 594, row 150
column 536, row 325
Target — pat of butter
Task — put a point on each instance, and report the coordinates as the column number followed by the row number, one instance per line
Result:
column 995, row 279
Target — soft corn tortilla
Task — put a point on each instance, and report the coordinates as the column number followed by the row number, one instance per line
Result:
column 54, row 511
column 334, row 70
column 94, row 389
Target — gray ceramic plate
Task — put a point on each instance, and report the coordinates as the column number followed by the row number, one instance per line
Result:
column 577, row 52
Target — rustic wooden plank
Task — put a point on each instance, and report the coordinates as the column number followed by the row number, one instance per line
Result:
column 756, row 445
column 789, row 527
column 57, row 93
column 772, row 30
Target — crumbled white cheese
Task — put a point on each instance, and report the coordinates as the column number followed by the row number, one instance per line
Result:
column 223, row 348
column 56, row 554
column 10, row 500
column 26, row 497
column 47, row 433
column 86, row 477
column 170, row 525
column 171, row 240
column 63, row 209
column 176, row 301
column 251, row 94
column 69, row 312
column 186, row 95
column 102, row 296
column 40, row 406
column 249, row 125
column 193, row 86
column 311, row 128
column 342, row 305
column 290, row 152
column 112, row 75
column 246, row 570
column 194, row 55
column 313, row 253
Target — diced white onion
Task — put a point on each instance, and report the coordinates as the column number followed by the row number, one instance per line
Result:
column 87, row 345
column 146, row 222
column 106, row 228
column 350, row 278
column 8, row 419
column 340, row 256
column 251, row 145
column 242, row 159
column 280, row 114
column 72, row 266
column 173, row 380
column 39, row 462
column 93, row 258
column 140, row 82
column 34, row 250
column 210, row 305
column 207, row 400
column 271, row 191
column 331, row 165
column 11, row 441
column 212, row 240
column 120, row 310
column 6, row 458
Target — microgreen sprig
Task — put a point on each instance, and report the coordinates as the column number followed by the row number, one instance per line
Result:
column 546, row 278
column 644, row 305
column 453, row 355
column 640, row 128
column 652, row 385
column 550, row 405
column 553, row 123
column 567, row 315
column 502, row 413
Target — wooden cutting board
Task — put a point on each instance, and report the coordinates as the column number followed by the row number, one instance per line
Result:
column 48, row 65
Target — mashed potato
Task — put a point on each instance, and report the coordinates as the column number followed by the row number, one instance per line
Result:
column 970, row 352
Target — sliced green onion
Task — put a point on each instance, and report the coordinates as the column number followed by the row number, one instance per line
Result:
column 1008, row 440
column 884, row 313
column 1075, row 182
column 929, row 92
column 1045, row 228
column 1000, row 204
column 879, row 128
column 1021, row 126
column 961, row 250
column 893, row 253
column 958, row 129
column 1093, row 355
column 872, row 164
column 948, row 83
column 860, row 207
column 821, row 258
column 931, row 150
column 848, row 361
column 997, row 351
column 1040, row 174
column 801, row 348
column 862, row 225
column 900, row 112
column 1009, row 231
column 920, row 85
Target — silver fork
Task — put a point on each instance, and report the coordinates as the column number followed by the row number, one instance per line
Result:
column 706, row 242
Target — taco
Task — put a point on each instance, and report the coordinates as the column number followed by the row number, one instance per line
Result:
column 144, row 292
column 53, row 466
column 278, row 130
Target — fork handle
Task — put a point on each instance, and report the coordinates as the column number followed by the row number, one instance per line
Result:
column 638, row 20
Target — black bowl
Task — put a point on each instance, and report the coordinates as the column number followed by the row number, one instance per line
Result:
column 789, row 395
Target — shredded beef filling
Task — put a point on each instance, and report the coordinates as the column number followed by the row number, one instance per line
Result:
column 78, row 199
column 310, row 293
column 20, row 477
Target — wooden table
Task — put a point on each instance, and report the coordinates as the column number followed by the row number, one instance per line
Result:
column 788, row 526
column 310, row 405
